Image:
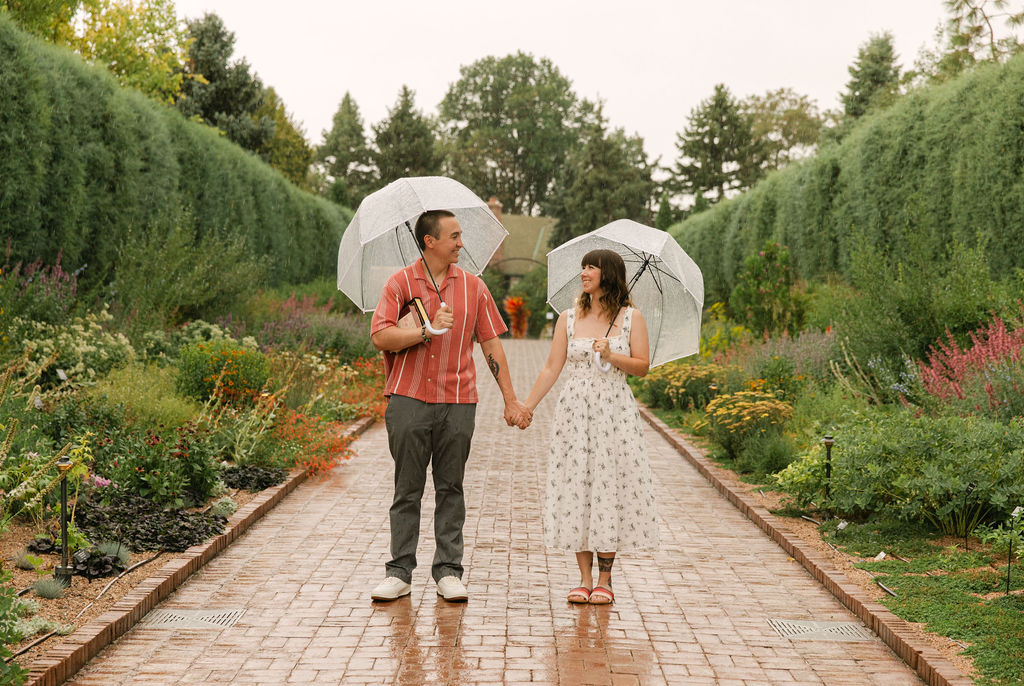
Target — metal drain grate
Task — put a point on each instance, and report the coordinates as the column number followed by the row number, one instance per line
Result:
column 801, row 630
column 191, row 619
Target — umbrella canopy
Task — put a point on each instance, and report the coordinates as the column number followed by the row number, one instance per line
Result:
column 379, row 241
column 665, row 284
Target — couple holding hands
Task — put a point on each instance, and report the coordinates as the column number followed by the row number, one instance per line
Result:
column 599, row 497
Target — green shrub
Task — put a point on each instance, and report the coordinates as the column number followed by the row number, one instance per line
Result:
column 145, row 392
column 82, row 351
column 735, row 418
column 115, row 549
column 762, row 299
column 720, row 335
column 237, row 373
column 10, row 672
column 225, row 507
column 766, row 453
column 49, row 588
column 951, row 472
column 686, row 386
column 533, row 289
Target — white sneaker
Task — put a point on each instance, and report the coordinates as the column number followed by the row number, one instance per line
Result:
column 391, row 588
column 451, row 589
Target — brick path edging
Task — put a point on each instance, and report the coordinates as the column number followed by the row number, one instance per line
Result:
column 929, row 664
column 87, row 641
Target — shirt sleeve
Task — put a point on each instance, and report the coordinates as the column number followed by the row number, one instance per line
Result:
column 389, row 309
column 488, row 321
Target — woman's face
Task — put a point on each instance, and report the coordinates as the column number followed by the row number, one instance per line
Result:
column 591, row 278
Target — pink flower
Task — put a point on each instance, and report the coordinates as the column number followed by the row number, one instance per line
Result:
column 99, row 481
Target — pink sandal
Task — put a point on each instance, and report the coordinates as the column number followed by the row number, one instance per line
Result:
column 601, row 596
column 579, row 595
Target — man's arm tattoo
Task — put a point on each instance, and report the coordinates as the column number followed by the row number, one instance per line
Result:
column 493, row 364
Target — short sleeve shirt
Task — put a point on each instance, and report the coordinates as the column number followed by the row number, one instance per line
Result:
column 441, row 371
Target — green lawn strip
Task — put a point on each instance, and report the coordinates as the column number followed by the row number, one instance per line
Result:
column 993, row 629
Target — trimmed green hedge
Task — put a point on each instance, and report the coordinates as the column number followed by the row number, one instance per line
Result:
column 83, row 161
column 942, row 163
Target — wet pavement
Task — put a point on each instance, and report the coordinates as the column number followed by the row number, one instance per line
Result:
column 696, row 612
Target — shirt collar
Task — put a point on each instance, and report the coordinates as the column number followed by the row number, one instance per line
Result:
column 419, row 271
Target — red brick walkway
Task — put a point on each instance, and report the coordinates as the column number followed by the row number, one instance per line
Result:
column 695, row 613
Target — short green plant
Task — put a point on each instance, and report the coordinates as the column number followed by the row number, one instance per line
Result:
column 34, row 626
column 225, row 507
column 148, row 393
column 80, row 352
column 27, row 562
column 766, row 453
column 143, row 525
column 10, row 672
column 252, row 477
column 48, row 588
column 115, row 549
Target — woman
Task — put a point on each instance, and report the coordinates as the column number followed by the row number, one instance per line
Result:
column 600, row 497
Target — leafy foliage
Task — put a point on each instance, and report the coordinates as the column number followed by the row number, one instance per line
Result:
column 511, row 123
column 251, row 477
column 874, row 77
column 221, row 92
column 287, row 151
column 763, row 297
column 236, row 373
column 785, row 124
column 143, row 525
column 95, row 564
column 10, row 672
column 607, row 177
column 346, row 155
column 949, row 471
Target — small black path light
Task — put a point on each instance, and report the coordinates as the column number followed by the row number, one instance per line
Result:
column 829, row 442
column 63, row 573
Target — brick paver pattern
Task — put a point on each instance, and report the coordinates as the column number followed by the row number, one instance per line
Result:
column 694, row 613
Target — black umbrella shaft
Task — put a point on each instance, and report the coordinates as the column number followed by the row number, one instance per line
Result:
column 426, row 268
column 632, row 282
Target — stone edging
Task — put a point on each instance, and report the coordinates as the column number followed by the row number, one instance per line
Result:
column 929, row 664
column 87, row 641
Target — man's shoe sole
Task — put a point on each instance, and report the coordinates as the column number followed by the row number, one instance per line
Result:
column 385, row 598
column 454, row 598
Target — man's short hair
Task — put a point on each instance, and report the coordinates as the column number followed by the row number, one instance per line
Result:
column 430, row 223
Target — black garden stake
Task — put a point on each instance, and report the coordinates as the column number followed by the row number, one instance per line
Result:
column 63, row 573
column 828, row 441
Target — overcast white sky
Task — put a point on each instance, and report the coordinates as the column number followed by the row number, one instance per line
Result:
column 651, row 61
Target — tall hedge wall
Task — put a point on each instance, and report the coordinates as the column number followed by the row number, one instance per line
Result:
column 943, row 163
column 83, row 161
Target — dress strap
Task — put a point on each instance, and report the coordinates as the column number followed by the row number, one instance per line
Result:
column 627, row 319
column 570, row 322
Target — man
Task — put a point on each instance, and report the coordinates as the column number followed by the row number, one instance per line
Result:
column 431, row 389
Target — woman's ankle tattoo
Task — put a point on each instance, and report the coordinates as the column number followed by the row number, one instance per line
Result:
column 604, row 564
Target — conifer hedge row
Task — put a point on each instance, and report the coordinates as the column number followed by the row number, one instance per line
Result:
column 84, row 161
column 944, row 163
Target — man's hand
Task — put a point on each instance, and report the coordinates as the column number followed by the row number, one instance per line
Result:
column 518, row 414
column 443, row 318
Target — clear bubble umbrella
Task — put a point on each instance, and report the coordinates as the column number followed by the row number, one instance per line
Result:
column 379, row 240
column 664, row 283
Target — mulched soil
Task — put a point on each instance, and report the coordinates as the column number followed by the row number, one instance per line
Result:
column 81, row 603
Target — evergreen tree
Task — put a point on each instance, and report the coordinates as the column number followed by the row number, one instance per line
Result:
column 288, row 150
column 346, row 156
column 223, row 93
column 874, row 77
column 717, row 150
column 665, row 217
column 404, row 142
column 605, row 179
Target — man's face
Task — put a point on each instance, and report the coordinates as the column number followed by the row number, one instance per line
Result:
column 448, row 244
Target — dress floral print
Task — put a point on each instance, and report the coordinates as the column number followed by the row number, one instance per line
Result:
column 600, row 496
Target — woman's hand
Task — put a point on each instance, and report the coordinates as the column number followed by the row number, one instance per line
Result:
column 603, row 348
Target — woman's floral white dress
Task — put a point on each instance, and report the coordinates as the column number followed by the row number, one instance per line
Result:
column 600, row 496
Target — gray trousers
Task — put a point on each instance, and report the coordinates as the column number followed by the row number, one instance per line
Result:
column 420, row 434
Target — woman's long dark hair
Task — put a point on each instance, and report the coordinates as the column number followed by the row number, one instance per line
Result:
column 613, row 283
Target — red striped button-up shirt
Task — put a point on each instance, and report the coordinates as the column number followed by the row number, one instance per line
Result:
column 441, row 371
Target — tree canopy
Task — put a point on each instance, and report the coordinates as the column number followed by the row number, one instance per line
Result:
column 874, row 77
column 223, row 93
column 346, row 155
column 288, row 151
column 785, row 124
column 510, row 121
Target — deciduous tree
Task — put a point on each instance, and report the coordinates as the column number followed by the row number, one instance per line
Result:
column 511, row 122
column 608, row 177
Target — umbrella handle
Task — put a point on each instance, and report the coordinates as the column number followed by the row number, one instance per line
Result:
column 431, row 329
column 603, row 366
